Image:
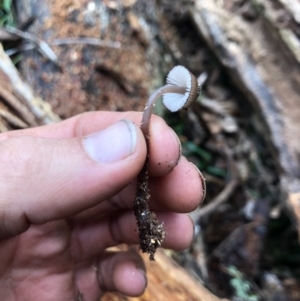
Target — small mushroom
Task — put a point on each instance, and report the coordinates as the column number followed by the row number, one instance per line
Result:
column 179, row 92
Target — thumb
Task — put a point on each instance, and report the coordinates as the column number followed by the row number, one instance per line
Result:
column 44, row 179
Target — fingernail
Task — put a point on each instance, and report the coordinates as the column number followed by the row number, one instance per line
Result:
column 176, row 140
column 180, row 147
column 144, row 276
column 202, row 179
column 112, row 144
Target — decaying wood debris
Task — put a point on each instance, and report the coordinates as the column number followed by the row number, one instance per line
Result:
column 242, row 132
column 249, row 64
column 20, row 107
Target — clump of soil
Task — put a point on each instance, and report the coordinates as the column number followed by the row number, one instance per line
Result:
column 151, row 232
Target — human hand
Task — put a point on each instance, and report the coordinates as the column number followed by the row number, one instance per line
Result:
column 64, row 199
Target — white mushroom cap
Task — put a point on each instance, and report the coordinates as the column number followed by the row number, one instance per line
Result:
column 179, row 76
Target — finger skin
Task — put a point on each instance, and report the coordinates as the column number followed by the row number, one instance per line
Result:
column 180, row 191
column 89, row 238
column 164, row 147
column 39, row 267
column 124, row 272
column 41, row 179
column 44, row 179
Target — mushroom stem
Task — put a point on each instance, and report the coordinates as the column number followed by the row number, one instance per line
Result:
column 181, row 90
column 151, row 232
column 151, row 102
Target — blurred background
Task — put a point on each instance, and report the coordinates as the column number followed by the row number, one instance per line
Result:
column 64, row 57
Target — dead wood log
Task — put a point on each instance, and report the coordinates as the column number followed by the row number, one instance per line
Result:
column 21, row 107
column 267, row 71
